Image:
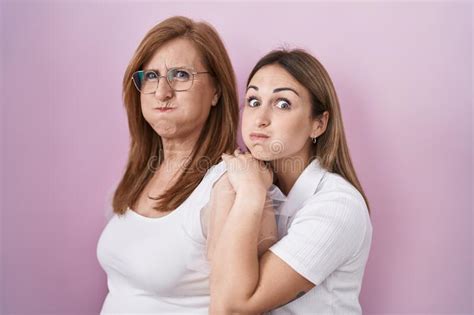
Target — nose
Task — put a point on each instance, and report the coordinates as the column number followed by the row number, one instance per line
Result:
column 262, row 117
column 163, row 91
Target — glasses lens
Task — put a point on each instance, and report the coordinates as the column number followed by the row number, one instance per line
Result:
column 145, row 81
column 180, row 79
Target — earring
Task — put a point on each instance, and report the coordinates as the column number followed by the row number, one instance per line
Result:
column 315, row 139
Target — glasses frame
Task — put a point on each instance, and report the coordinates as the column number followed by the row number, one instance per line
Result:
column 191, row 71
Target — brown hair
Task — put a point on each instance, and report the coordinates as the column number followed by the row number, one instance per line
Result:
column 331, row 148
column 217, row 136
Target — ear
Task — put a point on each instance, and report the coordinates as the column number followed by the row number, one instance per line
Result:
column 320, row 124
column 216, row 96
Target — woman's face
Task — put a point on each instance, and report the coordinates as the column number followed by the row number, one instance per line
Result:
column 276, row 120
column 179, row 114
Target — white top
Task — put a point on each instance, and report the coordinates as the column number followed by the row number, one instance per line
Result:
column 158, row 265
column 326, row 235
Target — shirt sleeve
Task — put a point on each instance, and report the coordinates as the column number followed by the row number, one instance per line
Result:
column 327, row 231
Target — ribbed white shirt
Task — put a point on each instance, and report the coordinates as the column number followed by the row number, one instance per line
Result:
column 326, row 233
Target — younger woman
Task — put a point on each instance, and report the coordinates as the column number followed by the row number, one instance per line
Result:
column 292, row 120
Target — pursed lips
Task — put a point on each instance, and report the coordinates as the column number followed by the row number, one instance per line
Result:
column 256, row 136
column 164, row 109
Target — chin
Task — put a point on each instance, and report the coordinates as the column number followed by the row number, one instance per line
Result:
column 164, row 128
column 267, row 151
column 262, row 154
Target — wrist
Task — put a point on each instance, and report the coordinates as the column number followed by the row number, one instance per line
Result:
column 251, row 190
column 253, row 195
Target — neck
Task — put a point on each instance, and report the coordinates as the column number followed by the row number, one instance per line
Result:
column 176, row 152
column 288, row 169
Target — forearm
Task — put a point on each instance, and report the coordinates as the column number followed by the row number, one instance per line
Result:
column 235, row 267
column 268, row 230
column 219, row 210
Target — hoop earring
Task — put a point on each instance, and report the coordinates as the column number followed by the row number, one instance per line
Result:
column 315, row 139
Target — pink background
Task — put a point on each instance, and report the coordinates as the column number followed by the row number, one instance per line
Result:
column 403, row 72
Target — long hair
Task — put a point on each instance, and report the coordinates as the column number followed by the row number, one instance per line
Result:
column 331, row 148
column 217, row 136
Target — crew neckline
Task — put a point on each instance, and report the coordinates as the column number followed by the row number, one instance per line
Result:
column 183, row 204
column 145, row 218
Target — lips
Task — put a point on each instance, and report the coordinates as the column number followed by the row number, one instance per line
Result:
column 164, row 109
column 257, row 136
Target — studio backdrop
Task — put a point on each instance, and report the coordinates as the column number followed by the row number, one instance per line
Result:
column 403, row 73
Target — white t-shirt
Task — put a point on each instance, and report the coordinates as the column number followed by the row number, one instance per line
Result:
column 326, row 233
column 158, row 265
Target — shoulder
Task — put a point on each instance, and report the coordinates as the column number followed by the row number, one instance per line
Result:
column 335, row 189
column 215, row 172
column 334, row 216
column 218, row 180
column 222, row 186
column 337, row 200
column 211, row 176
column 217, row 168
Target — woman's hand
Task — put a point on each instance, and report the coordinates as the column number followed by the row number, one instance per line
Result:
column 246, row 172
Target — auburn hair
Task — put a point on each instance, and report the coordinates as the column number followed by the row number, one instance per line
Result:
column 331, row 148
column 217, row 136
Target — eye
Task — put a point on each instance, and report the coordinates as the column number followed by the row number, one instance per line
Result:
column 180, row 75
column 150, row 75
column 283, row 103
column 253, row 102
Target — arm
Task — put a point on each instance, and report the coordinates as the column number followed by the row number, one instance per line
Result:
column 222, row 199
column 327, row 231
column 240, row 281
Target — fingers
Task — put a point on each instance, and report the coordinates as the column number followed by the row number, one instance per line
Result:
column 237, row 154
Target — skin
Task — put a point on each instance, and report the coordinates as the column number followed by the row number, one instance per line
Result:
column 179, row 128
column 279, row 106
column 242, row 282
column 214, row 217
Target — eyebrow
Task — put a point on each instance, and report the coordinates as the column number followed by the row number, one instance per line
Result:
column 275, row 90
column 252, row 87
column 285, row 89
column 175, row 67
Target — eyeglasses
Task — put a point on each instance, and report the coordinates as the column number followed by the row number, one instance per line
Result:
column 179, row 79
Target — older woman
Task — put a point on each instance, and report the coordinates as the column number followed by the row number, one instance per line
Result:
column 180, row 96
column 292, row 120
